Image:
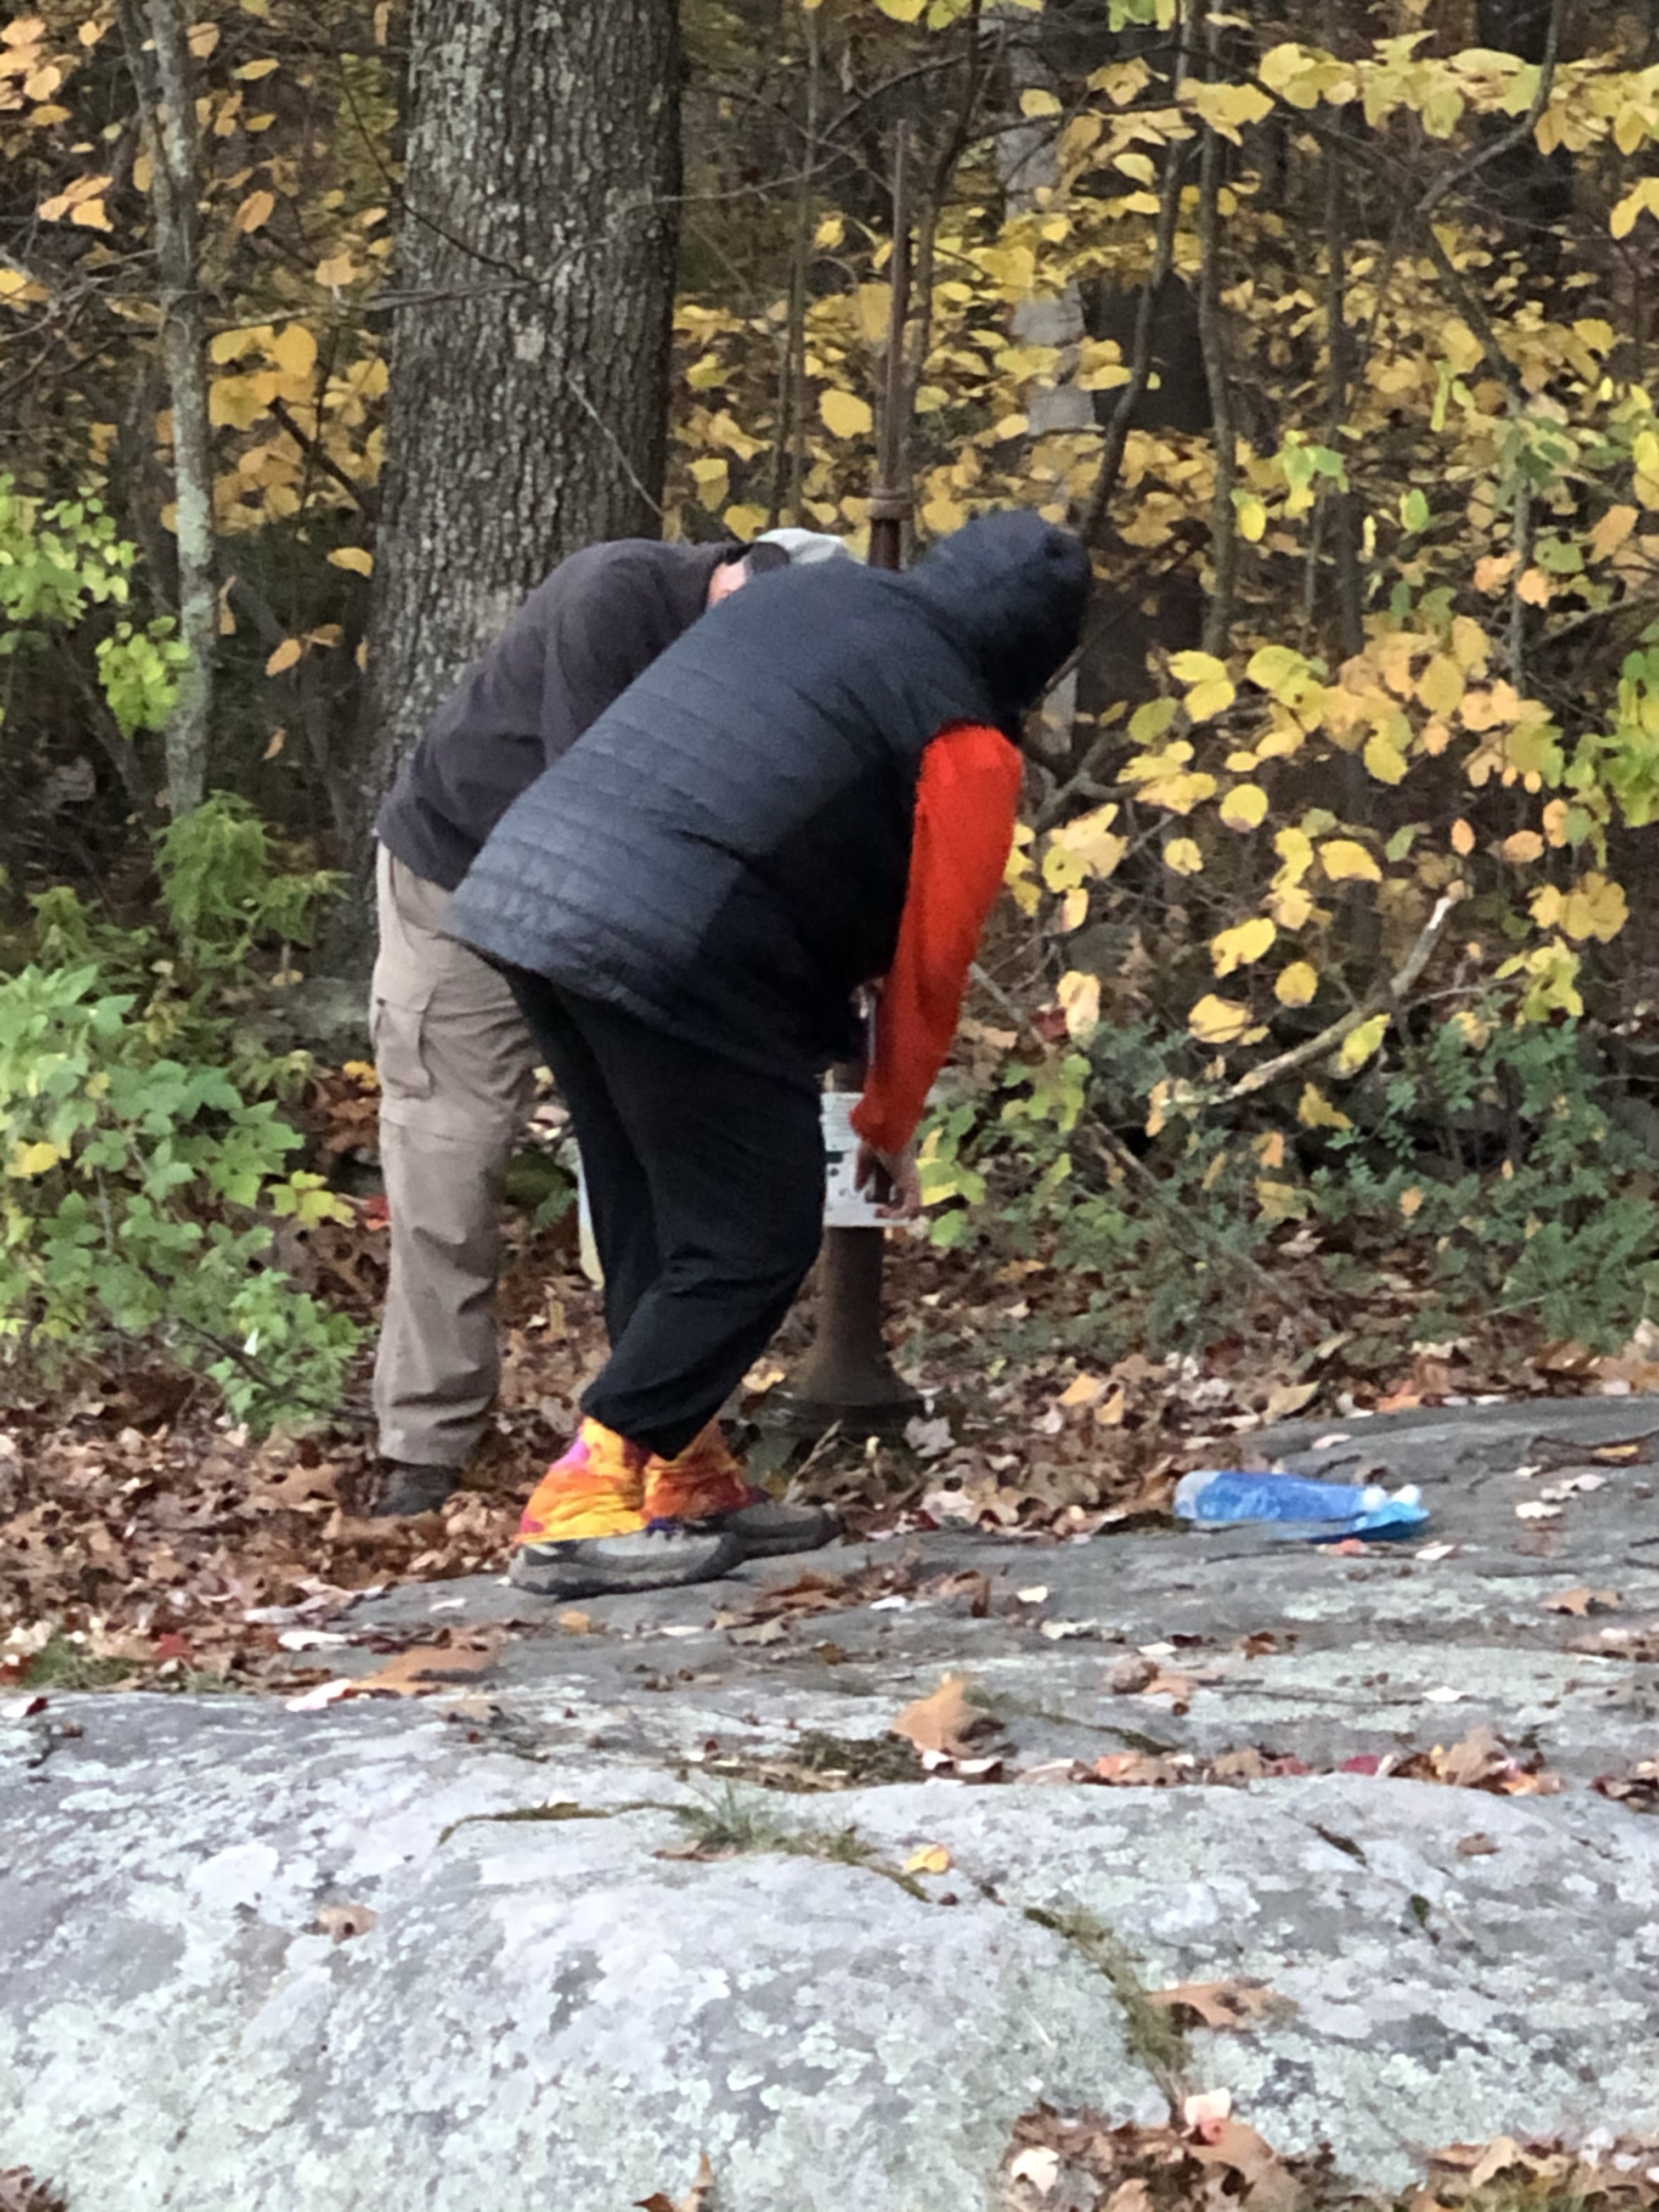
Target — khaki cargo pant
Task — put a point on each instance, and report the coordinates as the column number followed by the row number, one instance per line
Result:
column 457, row 1070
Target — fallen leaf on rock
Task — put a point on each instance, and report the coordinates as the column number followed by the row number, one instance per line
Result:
column 325, row 1693
column 1207, row 2108
column 1034, row 1595
column 944, row 1723
column 1582, row 1600
column 1445, row 1695
column 576, row 1624
column 1471, row 1760
column 1060, row 1631
column 20, row 2193
column 1481, row 1760
column 762, row 1632
column 424, row 1668
column 342, row 1921
column 1130, row 1675
column 1638, row 1787
column 1477, row 1846
column 1222, row 2004
column 1039, row 2165
column 932, row 1858
column 696, row 2198
column 1132, row 2195
column 1534, row 1509
column 1432, row 1554
column 1268, row 2186
column 1180, row 1689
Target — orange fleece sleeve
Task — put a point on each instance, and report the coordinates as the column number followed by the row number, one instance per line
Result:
column 967, row 801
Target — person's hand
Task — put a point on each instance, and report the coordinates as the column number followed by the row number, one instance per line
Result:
column 900, row 1176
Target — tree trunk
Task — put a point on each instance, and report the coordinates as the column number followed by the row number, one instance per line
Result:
column 156, row 32
column 533, row 303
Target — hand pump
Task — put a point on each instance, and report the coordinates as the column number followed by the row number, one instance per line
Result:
column 848, row 1375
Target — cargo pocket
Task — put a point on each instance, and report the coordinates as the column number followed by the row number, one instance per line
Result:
column 397, row 1028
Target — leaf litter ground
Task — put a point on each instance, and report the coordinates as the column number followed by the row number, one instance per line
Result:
column 144, row 1541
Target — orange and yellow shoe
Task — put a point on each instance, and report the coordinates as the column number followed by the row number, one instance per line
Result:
column 705, row 1485
column 587, row 1532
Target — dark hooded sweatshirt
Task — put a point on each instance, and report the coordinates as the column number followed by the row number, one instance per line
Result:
column 576, row 644
column 726, row 854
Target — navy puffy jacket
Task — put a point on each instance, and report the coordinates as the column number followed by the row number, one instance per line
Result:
column 724, row 854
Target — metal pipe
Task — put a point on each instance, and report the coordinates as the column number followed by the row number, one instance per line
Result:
column 848, row 1375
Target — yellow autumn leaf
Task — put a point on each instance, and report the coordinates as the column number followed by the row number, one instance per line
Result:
column 33, row 1159
column 338, row 269
column 1297, row 984
column 1463, row 837
column 1073, row 911
column 1595, row 907
column 1213, row 697
column 1493, row 571
column 874, row 303
column 1193, row 668
column 1241, row 945
column 1360, row 1044
column 1534, row 587
column 1245, row 807
column 1315, row 1111
column 1346, row 861
column 1079, row 993
column 1281, row 1201
column 293, row 350
column 1182, row 854
column 1217, row 1021
column 1034, row 101
column 1149, row 721
column 845, row 415
column 1442, row 685
column 932, row 1858
column 284, row 657
column 250, row 72
column 1252, row 518
column 1384, row 760
column 1089, row 840
column 357, row 558
column 1410, row 1202
column 1524, row 845
column 256, row 210
column 1611, row 531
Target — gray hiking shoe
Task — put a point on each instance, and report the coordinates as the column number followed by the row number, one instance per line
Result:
column 767, row 1529
column 664, row 1557
column 400, row 1488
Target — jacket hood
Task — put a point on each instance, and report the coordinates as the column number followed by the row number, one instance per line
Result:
column 1012, row 589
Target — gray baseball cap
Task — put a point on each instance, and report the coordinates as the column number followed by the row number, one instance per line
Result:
column 803, row 547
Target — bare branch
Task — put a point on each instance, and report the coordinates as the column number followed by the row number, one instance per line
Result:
column 1386, row 999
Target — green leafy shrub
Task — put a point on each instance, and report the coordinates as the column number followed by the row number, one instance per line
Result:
column 142, row 1179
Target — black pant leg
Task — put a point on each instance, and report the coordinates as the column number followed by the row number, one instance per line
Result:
column 734, row 1162
column 618, row 1191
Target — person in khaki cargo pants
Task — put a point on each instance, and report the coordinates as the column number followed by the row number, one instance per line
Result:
column 455, row 1060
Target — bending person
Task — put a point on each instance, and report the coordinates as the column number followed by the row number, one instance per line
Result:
column 456, row 1062
column 813, row 789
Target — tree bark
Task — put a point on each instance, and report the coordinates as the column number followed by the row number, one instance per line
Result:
column 155, row 35
column 532, row 312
